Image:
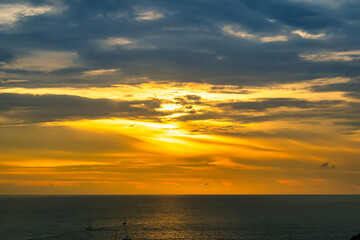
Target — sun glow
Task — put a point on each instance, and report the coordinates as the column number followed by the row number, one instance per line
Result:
column 165, row 132
column 173, row 91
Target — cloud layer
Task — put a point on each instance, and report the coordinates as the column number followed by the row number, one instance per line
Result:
column 179, row 96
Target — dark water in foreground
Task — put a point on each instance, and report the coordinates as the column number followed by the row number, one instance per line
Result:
column 180, row 217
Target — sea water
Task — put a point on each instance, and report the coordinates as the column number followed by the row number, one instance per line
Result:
column 301, row 217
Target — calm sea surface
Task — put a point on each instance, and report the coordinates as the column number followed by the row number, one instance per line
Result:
column 180, row 217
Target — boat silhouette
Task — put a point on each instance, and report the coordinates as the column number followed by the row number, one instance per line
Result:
column 126, row 231
column 89, row 227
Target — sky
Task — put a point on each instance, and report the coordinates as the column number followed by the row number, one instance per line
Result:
column 179, row 97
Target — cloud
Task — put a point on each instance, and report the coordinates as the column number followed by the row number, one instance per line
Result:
column 15, row 81
column 279, row 38
column 352, row 85
column 354, row 95
column 307, row 35
column 327, row 165
column 103, row 35
column 240, row 34
column 26, row 108
column 118, row 41
column 148, row 15
column 114, row 43
column 263, row 104
column 11, row 13
column 229, row 30
column 327, row 3
column 101, row 71
column 344, row 56
column 154, row 45
column 224, row 96
column 41, row 60
column 271, row 20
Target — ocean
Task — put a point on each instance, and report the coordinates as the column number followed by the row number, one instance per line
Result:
column 301, row 217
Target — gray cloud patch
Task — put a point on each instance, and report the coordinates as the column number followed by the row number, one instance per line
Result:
column 354, row 95
column 267, row 103
column 353, row 86
column 328, row 165
column 26, row 108
column 189, row 99
column 341, row 115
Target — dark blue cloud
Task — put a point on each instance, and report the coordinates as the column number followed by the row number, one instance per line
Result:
column 188, row 42
column 26, row 108
column 299, row 15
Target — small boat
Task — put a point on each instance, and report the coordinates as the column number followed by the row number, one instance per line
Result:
column 89, row 227
column 126, row 232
